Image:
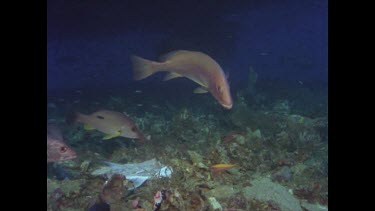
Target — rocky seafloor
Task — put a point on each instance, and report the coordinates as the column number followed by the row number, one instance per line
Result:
column 279, row 146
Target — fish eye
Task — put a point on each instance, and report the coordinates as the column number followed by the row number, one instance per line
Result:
column 63, row 149
column 133, row 129
column 219, row 89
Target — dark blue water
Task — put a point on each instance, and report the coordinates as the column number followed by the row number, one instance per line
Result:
column 277, row 128
column 89, row 42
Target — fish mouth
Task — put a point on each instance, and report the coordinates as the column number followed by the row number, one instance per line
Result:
column 70, row 157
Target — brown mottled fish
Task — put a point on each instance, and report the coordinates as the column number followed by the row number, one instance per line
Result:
column 112, row 123
column 196, row 66
column 57, row 150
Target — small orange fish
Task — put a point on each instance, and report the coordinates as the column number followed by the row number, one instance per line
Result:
column 221, row 167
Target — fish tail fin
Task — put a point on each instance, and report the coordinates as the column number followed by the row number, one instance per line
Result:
column 73, row 117
column 142, row 68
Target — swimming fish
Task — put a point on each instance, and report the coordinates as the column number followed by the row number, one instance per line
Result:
column 112, row 123
column 221, row 167
column 57, row 150
column 194, row 65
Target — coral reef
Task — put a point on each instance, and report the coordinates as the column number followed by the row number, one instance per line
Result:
column 278, row 152
column 112, row 191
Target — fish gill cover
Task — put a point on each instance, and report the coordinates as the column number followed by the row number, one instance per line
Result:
column 273, row 55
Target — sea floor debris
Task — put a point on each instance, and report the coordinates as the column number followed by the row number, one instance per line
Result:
column 137, row 173
column 273, row 149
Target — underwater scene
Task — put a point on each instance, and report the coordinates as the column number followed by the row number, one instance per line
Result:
column 187, row 105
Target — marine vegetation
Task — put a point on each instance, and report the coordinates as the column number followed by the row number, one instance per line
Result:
column 218, row 160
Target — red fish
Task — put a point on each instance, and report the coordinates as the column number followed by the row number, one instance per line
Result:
column 196, row 66
column 57, row 150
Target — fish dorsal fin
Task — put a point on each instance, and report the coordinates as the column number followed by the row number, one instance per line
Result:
column 110, row 136
column 88, row 127
column 54, row 131
column 167, row 56
column 200, row 90
column 172, row 75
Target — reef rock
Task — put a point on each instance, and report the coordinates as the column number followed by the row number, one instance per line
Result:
column 313, row 207
column 222, row 192
column 214, row 204
column 263, row 189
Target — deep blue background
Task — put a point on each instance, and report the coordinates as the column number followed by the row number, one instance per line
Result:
column 89, row 41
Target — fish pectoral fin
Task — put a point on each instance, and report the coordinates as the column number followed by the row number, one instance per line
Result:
column 200, row 90
column 171, row 75
column 88, row 127
column 110, row 136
